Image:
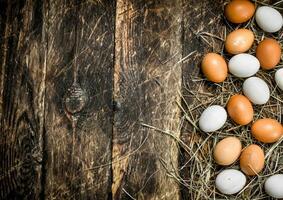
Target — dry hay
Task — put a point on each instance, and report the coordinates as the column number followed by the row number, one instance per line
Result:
column 200, row 167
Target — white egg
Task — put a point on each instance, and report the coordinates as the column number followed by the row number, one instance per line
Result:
column 243, row 65
column 230, row 181
column 268, row 19
column 212, row 118
column 256, row 90
column 279, row 78
column 274, row 186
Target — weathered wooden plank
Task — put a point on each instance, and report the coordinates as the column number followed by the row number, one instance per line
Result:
column 79, row 99
column 22, row 78
column 202, row 21
column 147, row 79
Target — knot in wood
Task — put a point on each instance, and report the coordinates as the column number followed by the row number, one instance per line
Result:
column 75, row 99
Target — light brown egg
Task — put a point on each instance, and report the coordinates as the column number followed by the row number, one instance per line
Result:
column 239, row 41
column 227, row 151
column 240, row 109
column 214, row 67
column 252, row 160
column 268, row 52
column 267, row 130
column 239, row 11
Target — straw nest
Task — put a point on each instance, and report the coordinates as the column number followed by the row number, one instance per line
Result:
column 198, row 168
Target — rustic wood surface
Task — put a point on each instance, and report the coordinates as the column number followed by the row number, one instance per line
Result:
column 79, row 82
column 147, row 82
column 22, row 81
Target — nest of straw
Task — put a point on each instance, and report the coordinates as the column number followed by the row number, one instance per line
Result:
column 198, row 167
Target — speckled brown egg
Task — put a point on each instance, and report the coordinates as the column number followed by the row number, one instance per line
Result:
column 214, row 67
column 239, row 11
column 268, row 52
column 240, row 109
column 267, row 130
column 239, row 41
column 252, row 160
column 227, row 151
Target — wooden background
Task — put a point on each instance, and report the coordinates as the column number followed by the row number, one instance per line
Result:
column 82, row 81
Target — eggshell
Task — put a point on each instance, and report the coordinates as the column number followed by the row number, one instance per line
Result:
column 227, row 151
column 256, row 90
column 268, row 52
column 279, row 78
column 212, row 118
column 268, row 19
column 240, row 109
column 214, row 67
column 252, row 160
column 239, row 11
column 274, row 186
column 239, row 41
column 267, row 130
column 230, row 181
column 243, row 65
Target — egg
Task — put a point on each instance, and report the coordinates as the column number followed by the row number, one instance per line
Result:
column 212, row 118
column 214, row 67
column 243, row 65
column 239, row 11
column 279, row 78
column 230, row 181
column 240, row 109
column 267, row 130
column 268, row 52
column 268, row 19
column 256, row 90
column 252, row 160
column 239, row 41
column 227, row 151
column 274, row 186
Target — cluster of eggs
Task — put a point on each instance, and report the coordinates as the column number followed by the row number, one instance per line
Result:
column 240, row 107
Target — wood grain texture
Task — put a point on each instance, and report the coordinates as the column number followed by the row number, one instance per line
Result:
column 200, row 18
column 22, row 77
column 79, row 84
column 147, row 79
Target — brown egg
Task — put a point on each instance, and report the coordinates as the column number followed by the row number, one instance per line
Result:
column 252, row 160
column 239, row 41
column 239, row 11
column 268, row 52
column 214, row 67
column 227, row 151
column 240, row 109
column 267, row 130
